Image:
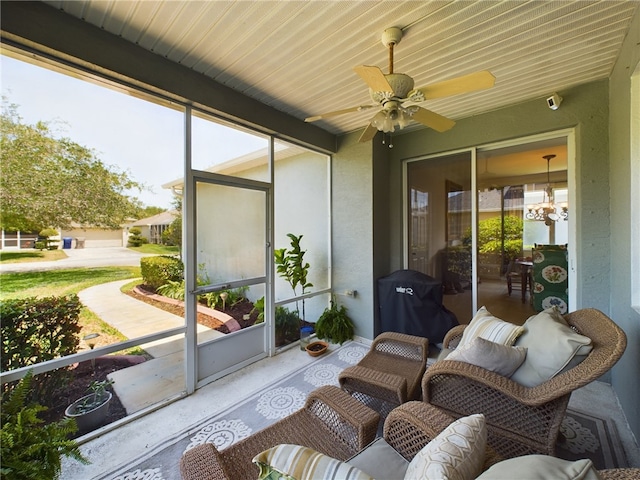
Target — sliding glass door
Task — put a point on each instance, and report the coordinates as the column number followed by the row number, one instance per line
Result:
column 473, row 218
column 439, row 199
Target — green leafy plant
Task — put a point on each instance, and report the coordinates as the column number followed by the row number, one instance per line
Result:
column 291, row 266
column 35, row 330
column 31, row 450
column 287, row 325
column 172, row 289
column 258, row 306
column 334, row 325
column 97, row 397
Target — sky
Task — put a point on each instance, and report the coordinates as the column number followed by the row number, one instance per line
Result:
column 140, row 137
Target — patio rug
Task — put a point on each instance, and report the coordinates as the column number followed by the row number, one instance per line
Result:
column 586, row 436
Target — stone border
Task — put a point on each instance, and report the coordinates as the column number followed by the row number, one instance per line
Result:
column 230, row 322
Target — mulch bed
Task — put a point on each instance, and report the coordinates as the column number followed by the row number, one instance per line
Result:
column 82, row 374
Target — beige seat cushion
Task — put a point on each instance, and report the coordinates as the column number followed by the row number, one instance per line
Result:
column 541, row 467
column 380, row 460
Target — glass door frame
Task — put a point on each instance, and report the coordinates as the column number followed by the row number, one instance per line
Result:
column 569, row 134
column 189, row 255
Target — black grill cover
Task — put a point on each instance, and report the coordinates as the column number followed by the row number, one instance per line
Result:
column 411, row 302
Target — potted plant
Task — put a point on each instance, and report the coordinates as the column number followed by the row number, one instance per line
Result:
column 291, row 266
column 91, row 410
column 334, row 324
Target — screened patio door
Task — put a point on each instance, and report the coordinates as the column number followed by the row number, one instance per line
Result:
column 231, row 252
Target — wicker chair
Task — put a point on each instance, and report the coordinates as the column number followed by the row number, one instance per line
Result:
column 331, row 422
column 522, row 420
column 390, row 371
column 409, row 427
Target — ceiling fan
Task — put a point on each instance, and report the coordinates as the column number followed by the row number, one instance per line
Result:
column 394, row 92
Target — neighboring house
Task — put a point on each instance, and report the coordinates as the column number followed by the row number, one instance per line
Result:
column 153, row 227
column 93, row 237
column 76, row 237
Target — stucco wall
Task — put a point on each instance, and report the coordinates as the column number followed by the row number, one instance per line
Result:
column 625, row 173
column 352, row 217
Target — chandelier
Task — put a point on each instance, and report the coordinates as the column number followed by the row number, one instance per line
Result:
column 547, row 211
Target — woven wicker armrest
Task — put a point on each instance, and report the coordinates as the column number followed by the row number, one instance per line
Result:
column 620, row 474
column 411, row 426
column 203, row 462
column 402, row 344
column 349, row 419
column 386, row 386
column 473, row 373
column 453, row 336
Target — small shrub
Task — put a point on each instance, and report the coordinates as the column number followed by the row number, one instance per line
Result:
column 29, row 449
column 135, row 237
column 35, row 330
column 48, row 243
column 40, row 245
column 157, row 271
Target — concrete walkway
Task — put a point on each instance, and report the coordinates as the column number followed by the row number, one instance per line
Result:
column 80, row 258
column 143, row 385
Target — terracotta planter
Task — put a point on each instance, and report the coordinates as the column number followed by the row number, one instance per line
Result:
column 315, row 349
column 91, row 419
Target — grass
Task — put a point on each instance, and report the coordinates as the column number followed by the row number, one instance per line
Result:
column 60, row 282
column 24, row 256
column 65, row 282
column 156, row 249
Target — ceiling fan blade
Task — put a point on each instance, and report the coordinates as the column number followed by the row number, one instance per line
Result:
column 374, row 78
column 466, row 83
column 315, row 118
column 432, row 120
column 368, row 133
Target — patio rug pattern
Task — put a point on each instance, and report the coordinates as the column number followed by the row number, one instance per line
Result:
column 586, row 436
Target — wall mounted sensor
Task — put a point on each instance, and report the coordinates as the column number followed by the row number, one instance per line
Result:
column 553, row 102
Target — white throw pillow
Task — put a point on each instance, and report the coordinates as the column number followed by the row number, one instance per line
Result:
column 551, row 344
column 457, row 453
column 491, row 356
column 485, row 325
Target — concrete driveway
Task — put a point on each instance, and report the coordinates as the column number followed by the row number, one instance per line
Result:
column 81, row 257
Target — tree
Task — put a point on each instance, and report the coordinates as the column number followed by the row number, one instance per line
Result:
column 54, row 182
column 173, row 233
column 492, row 237
column 144, row 212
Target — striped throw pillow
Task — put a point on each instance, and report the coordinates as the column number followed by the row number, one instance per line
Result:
column 293, row 462
column 490, row 328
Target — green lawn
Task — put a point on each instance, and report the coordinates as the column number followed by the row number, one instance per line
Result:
column 156, row 249
column 22, row 256
column 60, row 282
column 64, row 282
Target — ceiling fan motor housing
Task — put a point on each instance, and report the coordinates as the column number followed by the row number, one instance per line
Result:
column 400, row 83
